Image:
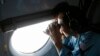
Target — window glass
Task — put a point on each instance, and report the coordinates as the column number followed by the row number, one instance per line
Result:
column 30, row 38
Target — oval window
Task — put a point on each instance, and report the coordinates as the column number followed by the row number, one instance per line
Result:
column 30, row 38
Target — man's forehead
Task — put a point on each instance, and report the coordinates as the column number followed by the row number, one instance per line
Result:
column 60, row 15
column 60, row 21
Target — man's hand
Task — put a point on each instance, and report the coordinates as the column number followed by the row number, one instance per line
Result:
column 54, row 31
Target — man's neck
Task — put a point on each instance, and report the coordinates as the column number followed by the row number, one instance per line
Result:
column 76, row 34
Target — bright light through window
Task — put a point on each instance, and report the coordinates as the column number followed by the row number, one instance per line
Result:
column 30, row 38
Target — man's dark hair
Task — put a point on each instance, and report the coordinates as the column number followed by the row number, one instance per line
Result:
column 73, row 13
column 60, row 8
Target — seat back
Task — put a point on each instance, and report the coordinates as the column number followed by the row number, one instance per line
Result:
column 94, row 15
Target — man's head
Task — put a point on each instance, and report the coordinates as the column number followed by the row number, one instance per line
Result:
column 66, row 16
column 59, row 13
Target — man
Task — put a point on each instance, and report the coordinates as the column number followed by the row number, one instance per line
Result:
column 63, row 34
column 66, row 31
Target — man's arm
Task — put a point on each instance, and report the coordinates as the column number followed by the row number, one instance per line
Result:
column 56, row 37
column 55, row 34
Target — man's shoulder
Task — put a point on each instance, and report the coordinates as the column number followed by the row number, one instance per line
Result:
column 90, row 34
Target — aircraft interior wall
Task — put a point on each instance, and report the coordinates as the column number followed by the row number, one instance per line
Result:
column 15, row 14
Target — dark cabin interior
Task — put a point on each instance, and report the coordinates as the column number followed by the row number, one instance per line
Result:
column 19, row 13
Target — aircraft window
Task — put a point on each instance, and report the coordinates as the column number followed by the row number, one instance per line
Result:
column 30, row 38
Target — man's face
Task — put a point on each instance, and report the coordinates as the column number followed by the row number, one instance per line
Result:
column 63, row 28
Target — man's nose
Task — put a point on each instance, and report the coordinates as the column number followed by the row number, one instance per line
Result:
column 61, row 30
column 59, row 21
